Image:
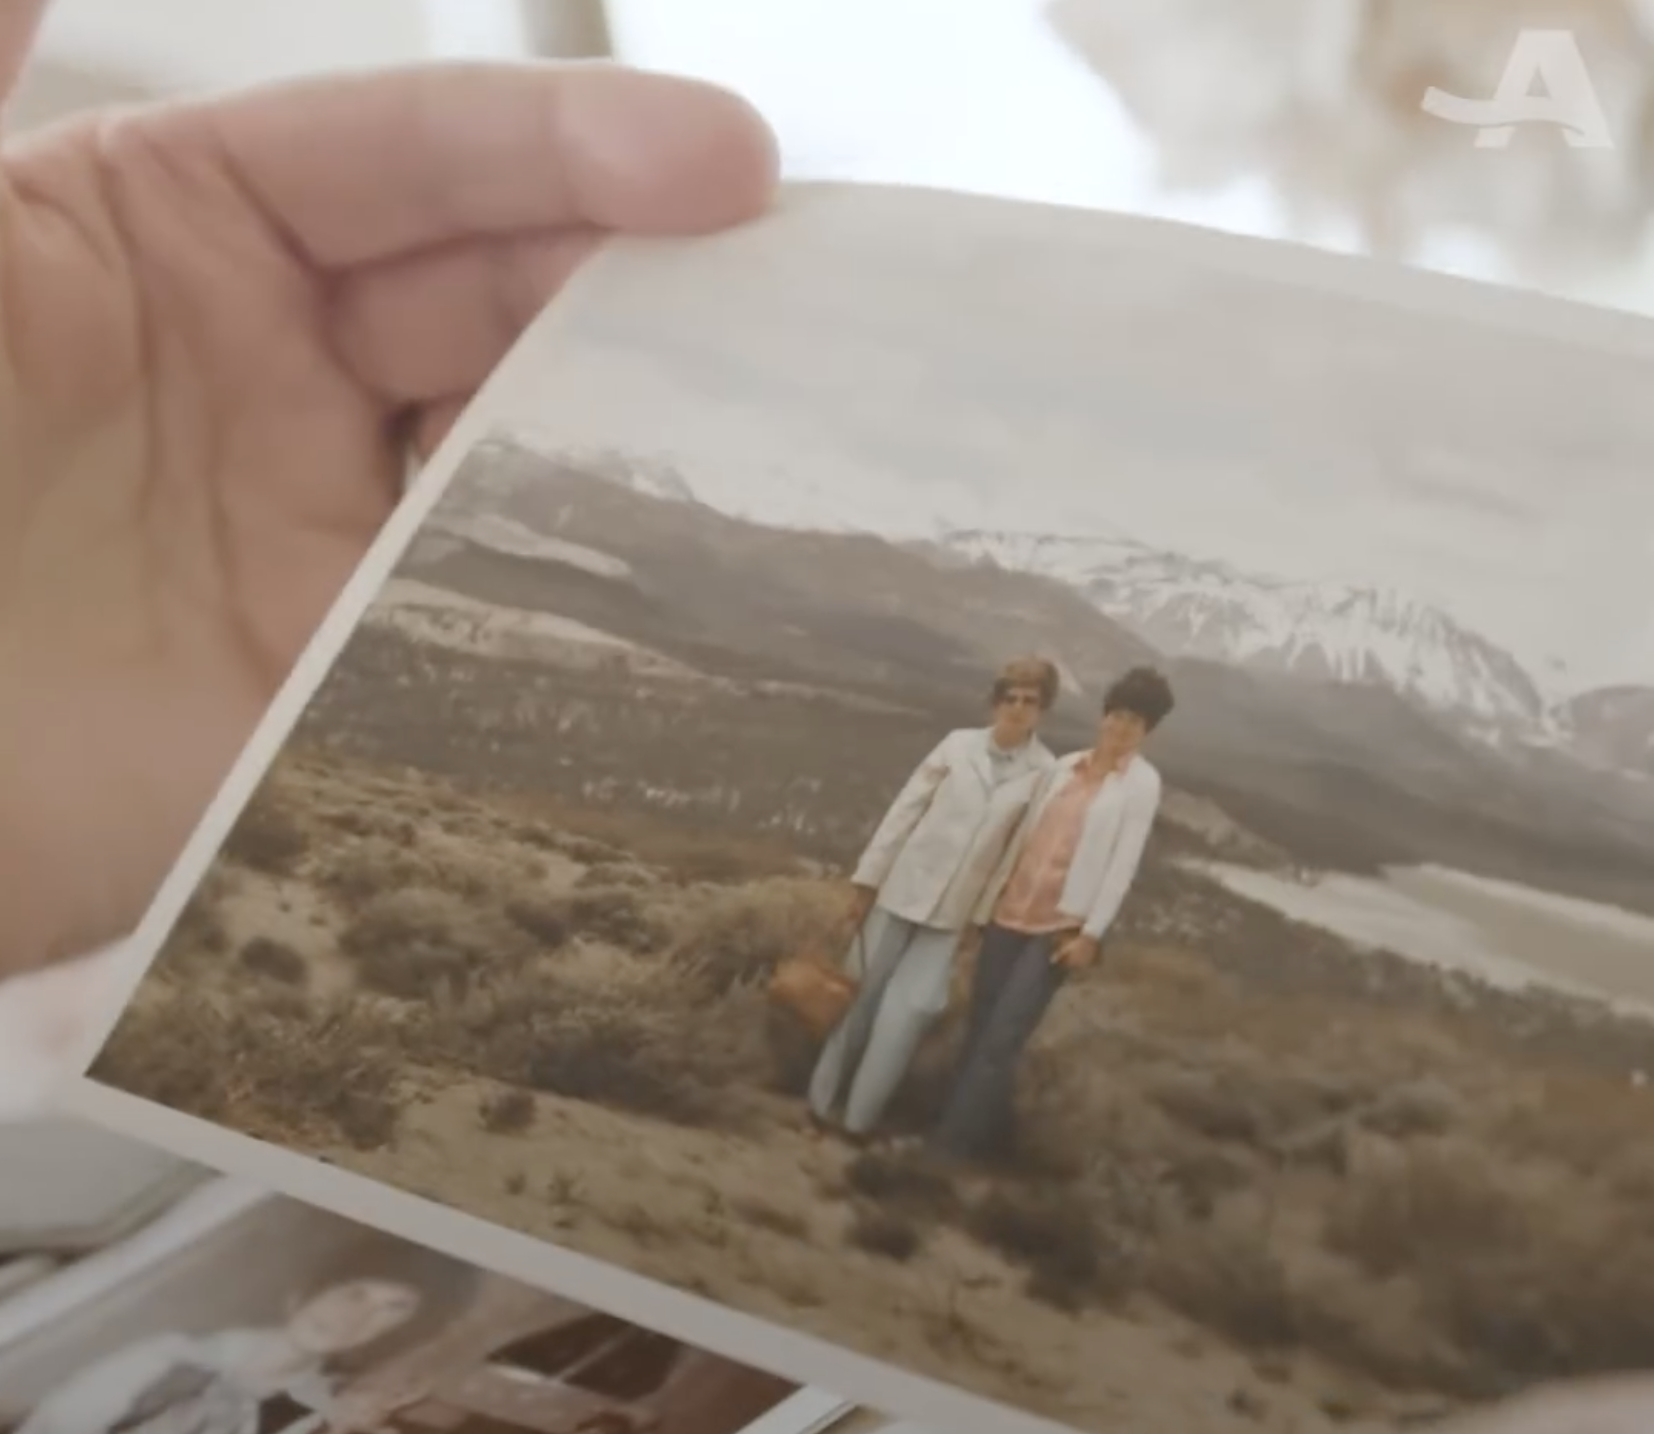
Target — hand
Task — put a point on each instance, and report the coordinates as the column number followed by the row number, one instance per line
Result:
column 1076, row 951
column 860, row 904
column 221, row 323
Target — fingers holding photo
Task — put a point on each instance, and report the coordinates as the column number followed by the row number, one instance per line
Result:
column 551, row 879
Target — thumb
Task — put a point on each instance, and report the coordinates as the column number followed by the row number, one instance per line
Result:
column 19, row 19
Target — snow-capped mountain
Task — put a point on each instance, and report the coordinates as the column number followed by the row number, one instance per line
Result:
column 1193, row 608
column 1614, row 727
column 501, row 469
column 653, row 478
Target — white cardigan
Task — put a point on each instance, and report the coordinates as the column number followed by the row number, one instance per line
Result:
column 1117, row 826
column 943, row 836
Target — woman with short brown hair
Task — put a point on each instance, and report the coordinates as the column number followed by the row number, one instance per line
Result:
column 916, row 885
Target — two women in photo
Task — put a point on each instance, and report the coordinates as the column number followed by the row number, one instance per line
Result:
column 991, row 834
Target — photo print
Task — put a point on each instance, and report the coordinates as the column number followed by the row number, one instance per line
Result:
column 224, row 1309
column 1062, row 804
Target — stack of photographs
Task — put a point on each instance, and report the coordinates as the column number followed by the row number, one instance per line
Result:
column 162, row 1298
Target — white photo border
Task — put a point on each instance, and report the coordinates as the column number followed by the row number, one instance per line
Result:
column 792, row 1355
column 695, row 1322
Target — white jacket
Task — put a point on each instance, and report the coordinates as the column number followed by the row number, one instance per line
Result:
column 1117, row 826
column 943, row 836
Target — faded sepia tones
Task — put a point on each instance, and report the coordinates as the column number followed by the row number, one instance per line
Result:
column 1348, row 1124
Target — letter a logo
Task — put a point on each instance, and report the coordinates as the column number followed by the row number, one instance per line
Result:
column 1565, row 95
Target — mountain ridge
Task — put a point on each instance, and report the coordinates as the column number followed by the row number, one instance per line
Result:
column 1344, row 632
column 1346, row 776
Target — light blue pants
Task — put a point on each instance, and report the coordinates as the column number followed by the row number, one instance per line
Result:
column 906, row 973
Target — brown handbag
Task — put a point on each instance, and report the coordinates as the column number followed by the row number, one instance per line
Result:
column 814, row 990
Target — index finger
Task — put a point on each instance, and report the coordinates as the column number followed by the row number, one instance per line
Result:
column 372, row 166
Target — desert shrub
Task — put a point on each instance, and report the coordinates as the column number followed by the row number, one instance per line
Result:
column 201, row 933
column 1426, row 1107
column 1088, row 1114
column 610, row 874
column 617, row 915
column 506, row 1112
column 164, row 1049
column 1584, row 1122
column 908, row 1182
column 546, row 919
column 1437, row 1200
column 1379, row 1331
column 381, row 864
column 1630, row 1178
column 372, row 867
column 722, row 864
column 579, row 848
column 353, row 821
column 1210, row 1106
column 275, row 960
column 635, row 1045
column 739, row 934
column 885, row 1234
column 1255, row 1102
column 1576, row 1305
column 761, row 1215
column 1560, row 1285
column 331, row 1073
column 414, row 943
column 267, row 837
column 686, row 854
column 1053, row 1234
column 791, row 1052
column 637, row 1060
column 1522, row 1271
column 1200, row 1178
column 1228, row 1277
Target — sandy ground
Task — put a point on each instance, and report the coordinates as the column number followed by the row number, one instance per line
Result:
column 744, row 1221
column 1213, row 1081
column 715, row 1215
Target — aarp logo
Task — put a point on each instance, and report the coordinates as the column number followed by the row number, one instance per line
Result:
column 1545, row 82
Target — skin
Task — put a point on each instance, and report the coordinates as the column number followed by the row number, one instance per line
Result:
column 1017, row 717
column 219, row 325
column 222, row 324
column 351, row 1317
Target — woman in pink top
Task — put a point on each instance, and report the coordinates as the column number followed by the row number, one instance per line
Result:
column 1052, row 901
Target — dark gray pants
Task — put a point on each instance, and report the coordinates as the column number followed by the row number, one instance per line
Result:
column 1014, row 985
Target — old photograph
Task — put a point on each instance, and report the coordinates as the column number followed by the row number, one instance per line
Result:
column 143, row 1294
column 1021, row 792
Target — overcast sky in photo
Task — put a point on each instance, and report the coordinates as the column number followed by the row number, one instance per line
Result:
column 908, row 362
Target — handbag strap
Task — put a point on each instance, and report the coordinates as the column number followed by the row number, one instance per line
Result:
column 858, row 951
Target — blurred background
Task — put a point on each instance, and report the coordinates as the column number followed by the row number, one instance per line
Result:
column 1205, row 110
